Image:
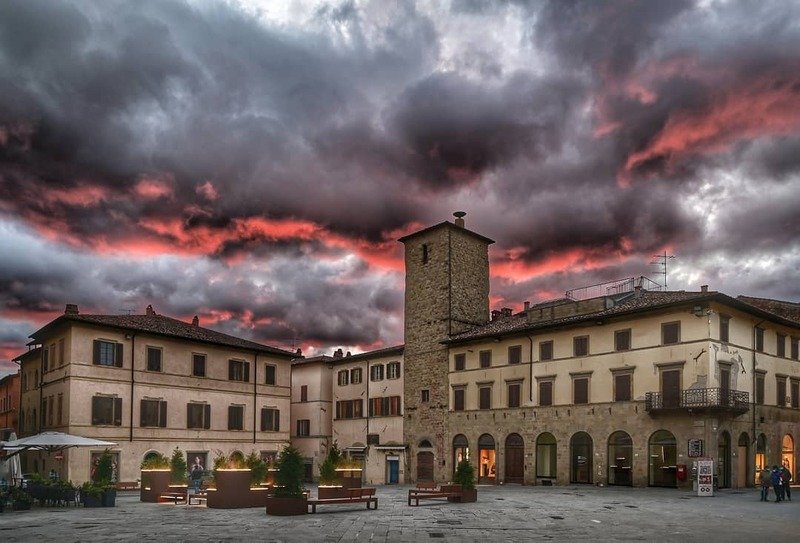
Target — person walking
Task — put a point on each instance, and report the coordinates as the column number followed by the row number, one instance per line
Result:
column 766, row 480
column 777, row 485
column 787, row 482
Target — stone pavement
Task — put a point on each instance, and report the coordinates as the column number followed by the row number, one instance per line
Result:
column 504, row 513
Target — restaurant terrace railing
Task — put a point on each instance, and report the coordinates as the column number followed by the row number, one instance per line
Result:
column 698, row 400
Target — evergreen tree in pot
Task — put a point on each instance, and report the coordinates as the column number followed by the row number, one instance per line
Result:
column 465, row 476
column 289, row 498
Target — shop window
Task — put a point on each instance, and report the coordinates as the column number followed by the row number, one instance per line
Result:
column 546, row 456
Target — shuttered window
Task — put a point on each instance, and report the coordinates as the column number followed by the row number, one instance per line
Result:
column 106, row 410
column 622, row 387
column 107, row 353
column 458, row 399
column 198, row 416
column 580, row 386
column 485, row 397
column 239, row 370
column 270, row 420
column 153, row 413
column 514, row 390
column 235, row 417
column 515, row 354
column 545, row 392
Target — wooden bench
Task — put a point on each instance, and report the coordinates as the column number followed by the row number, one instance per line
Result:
column 197, row 498
column 127, row 485
column 356, row 495
column 429, row 493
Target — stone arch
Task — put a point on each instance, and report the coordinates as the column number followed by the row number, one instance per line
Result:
column 620, row 459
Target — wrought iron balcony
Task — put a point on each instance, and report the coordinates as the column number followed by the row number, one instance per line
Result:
column 698, row 400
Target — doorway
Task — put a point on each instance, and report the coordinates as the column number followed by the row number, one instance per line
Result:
column 620, row 459
column 580, row 447
column 743, row 453
column 393, row 470
column 663, row 454
column 671, row 388
column 487, row 460
column 425, row 466
column 787, row 453
column 761, row 457
column 724, row 460
column 515, row 459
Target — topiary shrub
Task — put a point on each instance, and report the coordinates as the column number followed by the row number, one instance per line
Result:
column 178, row 468
column 105, row 469
column 290, row 474
column 465, row 475
column 258, row 468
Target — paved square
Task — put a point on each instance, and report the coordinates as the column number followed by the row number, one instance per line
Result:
column 506, row 513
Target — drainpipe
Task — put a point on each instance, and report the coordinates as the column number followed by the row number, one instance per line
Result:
column 530, row 366
column 133, row 379
column 255, row 394
column 41, row 391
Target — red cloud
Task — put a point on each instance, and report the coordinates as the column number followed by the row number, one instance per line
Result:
column 154, row 188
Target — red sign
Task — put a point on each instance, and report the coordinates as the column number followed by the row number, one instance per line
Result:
column 59, row 456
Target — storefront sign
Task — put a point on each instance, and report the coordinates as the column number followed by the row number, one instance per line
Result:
column 705, row 477
column 695, row 448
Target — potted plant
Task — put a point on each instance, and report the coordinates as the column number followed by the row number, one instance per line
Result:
column 20, row 499
column 330, row 480
column 349, row 471
column 465, row 478
column 156, row 473
column 100, row 488
column 258, row 469
column 289, row 498
column 178, row 470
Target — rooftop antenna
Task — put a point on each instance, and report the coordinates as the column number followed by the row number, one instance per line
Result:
column 661, row 262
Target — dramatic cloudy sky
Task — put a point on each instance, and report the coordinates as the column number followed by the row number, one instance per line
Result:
column 255, row 162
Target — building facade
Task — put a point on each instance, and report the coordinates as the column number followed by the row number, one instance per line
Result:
column 355, row 401
column 9, row 402
column 626, row 388
column 150, row 383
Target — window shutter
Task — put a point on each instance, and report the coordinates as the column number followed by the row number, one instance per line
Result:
column 231, row 413
column 207, row 416
column 188, row 415
column 230, row 370
column 276, row 420
column 117, row 411
column 162, row 414
column 263, row 419
column 142, row 421
column 96, row 351
column 118, row 348
column 247, row 372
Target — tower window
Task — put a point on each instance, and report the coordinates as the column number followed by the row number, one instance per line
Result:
column 424, row 253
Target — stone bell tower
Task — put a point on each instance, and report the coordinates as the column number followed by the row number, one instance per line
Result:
column 447, row 292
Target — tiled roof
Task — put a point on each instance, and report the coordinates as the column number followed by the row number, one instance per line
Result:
column 386, row 351
column 163, row 326
column 648, row 301
column 446, row 224
column 787, row 310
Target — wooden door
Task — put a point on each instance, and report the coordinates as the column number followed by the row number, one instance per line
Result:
column 424, row 466
column 515, row 459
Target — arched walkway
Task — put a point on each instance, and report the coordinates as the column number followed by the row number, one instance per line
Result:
column 620, row 459
column 580, row 447
column 487, row 467
column 515, row 459
column 663, row 454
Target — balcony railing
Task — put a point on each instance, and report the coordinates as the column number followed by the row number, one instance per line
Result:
column 699, row 400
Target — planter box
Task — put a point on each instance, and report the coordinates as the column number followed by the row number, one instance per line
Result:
column 287, row 506
column 332, row 492
column 109, row 498
column 468, row 495
column 154, row 483
column 21, row 506
column 233, row 491
column 91, row 501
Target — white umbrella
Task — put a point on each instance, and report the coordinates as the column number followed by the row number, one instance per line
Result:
column 52, row 442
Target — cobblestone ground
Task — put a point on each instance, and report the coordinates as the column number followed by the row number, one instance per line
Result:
column 508, row 513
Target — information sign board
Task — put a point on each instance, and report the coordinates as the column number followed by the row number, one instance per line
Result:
column 705, row 477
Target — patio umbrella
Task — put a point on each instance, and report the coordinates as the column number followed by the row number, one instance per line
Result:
column 52, row 442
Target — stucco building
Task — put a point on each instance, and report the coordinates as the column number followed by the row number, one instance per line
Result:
column 9, row 401
column 619, row 384
column 150, row 383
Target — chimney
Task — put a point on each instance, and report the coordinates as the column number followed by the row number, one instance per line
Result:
column 299, row 352
column 527, row 305
column 150, row 311
column 195, row 321
column 71, row 309
column 347, row 354
column 505, row 312
column 459, row 215
column 495, row 314
column 703, row 288
column 337, row 353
